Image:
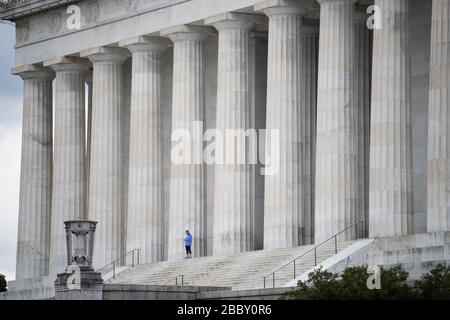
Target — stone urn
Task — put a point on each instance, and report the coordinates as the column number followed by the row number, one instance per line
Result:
column 80, row 243
column 80, row 281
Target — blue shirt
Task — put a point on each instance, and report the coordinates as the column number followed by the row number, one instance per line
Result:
column 188, row 240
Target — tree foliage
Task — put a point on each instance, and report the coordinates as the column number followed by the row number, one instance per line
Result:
column 2, row 283
column 435, row 285
column 352, row 285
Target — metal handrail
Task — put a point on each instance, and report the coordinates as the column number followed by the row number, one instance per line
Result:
column 182, row 280
column 176, row 280
column 315, row 252
column 113, row 263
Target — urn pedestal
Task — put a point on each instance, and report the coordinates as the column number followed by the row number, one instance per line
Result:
column 80, row 281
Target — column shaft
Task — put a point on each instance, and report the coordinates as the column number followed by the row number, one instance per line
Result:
column 187, row 182
column 290, row 108
column 234, row 174
column 390, row 195
column 438, row 212
column 69, row 160
column 337, row 123
column 106, row 163
column 145, row 188
column 33, row 243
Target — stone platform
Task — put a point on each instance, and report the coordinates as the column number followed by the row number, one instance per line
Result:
column 240, row 276
column 239, row 271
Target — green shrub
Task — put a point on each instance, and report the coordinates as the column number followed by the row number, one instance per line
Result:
column 2, row 283
column 352, row 285
column 435, row 285
column 321, row 285
column 394, row 285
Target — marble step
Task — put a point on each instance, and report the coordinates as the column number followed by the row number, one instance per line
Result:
column 239, row 271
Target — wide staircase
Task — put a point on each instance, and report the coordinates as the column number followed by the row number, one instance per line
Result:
column 250, row 270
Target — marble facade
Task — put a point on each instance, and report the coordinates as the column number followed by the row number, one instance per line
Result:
column 361, row 114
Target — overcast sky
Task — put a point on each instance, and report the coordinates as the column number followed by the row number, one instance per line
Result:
column 10, row 143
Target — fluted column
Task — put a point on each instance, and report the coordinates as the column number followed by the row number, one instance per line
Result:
column 337, row 122
column 33, row 240
column 438, row 212
column 362, row 82
column 390, row 195
column 145, row 184
column 106, row 177
column 234, row 180
column 187, row 179
column 286, row 211
column 69, row 162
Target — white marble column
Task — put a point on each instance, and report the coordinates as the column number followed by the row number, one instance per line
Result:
column 337, row 123
column 438, row 212
column 390, row 195
column 69, row 155
column 33, row 240
column 106, row 183
column 145, row 184
column 287, row 191
column 187, row 178
column 233, row 183
column 362, row 81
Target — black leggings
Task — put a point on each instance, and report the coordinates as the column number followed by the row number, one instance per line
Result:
column 188, row 250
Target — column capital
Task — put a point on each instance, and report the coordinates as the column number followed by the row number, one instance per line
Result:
column 286, row 7
column 32, row 71
column 231, row 20
column 145, row 43
column 187, row 32
column 67, row 63
column 105, row 54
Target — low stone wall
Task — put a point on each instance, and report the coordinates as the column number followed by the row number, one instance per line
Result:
column 43, row 293
column 257, row 294
column 29, row 289
column 155, row 292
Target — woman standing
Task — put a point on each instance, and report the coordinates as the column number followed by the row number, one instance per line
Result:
column 187, row 244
